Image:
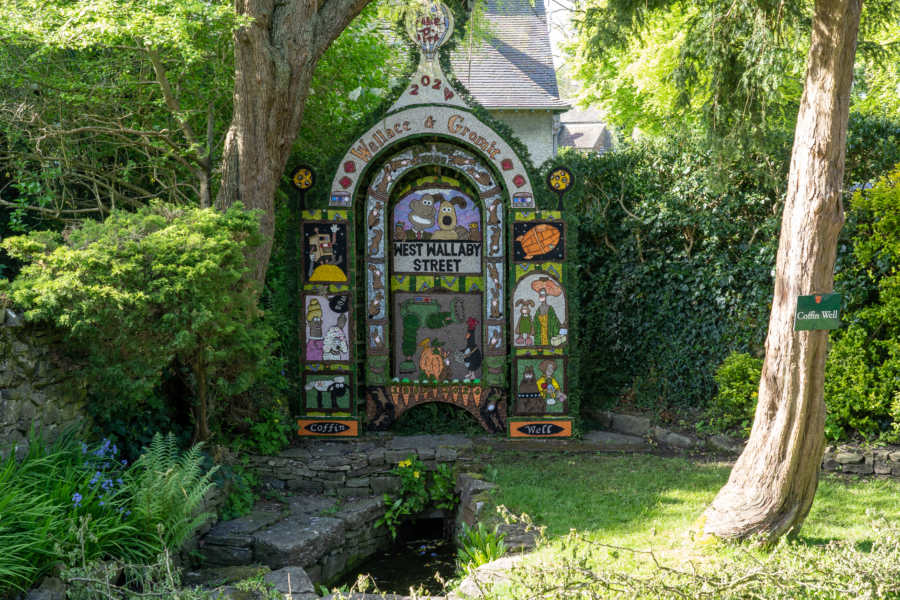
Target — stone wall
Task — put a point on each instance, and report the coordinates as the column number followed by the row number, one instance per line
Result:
column 359, row 467
column 39, row 387
column 860, row 460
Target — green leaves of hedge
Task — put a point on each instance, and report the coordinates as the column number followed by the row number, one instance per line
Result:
column 142, row 291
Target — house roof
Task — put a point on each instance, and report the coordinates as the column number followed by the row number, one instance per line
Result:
column 584, row 130
column 514, row 70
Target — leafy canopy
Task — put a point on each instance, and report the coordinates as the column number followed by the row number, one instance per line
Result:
column 733, row 69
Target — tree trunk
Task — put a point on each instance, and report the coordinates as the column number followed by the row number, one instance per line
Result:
column 274, row 60
column 201, row 409
column 771, row 487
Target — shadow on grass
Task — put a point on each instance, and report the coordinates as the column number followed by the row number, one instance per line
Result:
column 606, row 493
column 637, row 495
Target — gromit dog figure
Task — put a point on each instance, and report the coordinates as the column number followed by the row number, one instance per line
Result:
column 448, row 228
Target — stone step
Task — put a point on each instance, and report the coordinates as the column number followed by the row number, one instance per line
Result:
column 320, row 534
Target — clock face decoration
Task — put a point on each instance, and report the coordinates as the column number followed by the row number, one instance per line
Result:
column 303, row 178
column 559, row 179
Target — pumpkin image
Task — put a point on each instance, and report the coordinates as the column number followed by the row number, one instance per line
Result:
column 538, row 240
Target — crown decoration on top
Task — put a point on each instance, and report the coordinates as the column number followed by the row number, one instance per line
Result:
column 429, row 25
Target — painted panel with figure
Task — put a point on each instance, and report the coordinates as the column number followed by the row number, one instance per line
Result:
column 324, row 252
column 326, row 328
column 438, row 336
column 327, row 392
column 540, row 385
column 540, row 316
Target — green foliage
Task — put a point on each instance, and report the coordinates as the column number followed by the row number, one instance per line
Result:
column 169, row 487
column 733, row 406
column 584, row 567
column 673, row 272
column 436, row 418
column 241, row 483
column 72, row 503
column 730, row 70
column 110, row 105
column 863, row 369
column 442, row 490
column 118, row 580
column 46, row 498
column 139, row 293
column 268, row 432
column 418, row 488
column 478, row 546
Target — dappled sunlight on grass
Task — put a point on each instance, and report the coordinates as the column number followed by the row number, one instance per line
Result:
column 645, row 502
column 845, row 507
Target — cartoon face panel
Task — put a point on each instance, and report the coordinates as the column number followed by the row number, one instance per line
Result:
column 436, row 213
column 436, row 231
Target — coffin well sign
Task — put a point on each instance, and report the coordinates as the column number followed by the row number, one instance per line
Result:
column 818, row 311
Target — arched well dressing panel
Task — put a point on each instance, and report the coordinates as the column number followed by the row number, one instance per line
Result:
column 435, row 286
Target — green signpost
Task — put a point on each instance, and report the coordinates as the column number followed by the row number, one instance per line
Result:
column 818, row 311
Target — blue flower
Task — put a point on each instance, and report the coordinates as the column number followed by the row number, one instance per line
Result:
column 76, row 499
column 84, row 448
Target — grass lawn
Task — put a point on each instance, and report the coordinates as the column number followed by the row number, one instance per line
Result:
column 648, row 502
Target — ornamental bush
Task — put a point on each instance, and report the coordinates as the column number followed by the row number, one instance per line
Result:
column 862, row 377
column 146, row 292
column 734, row 405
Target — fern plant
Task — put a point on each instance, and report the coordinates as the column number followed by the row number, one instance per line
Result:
column 168, row 488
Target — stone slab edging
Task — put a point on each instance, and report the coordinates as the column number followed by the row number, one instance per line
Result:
column 856, row 459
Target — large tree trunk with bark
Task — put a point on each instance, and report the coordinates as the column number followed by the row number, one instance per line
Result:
column 771, row 487
column 274, row 57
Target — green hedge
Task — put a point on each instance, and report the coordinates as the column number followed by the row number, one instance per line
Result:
column 675, row 272
column 676, row 261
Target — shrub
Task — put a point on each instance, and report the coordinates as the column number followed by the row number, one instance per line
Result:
column 479, row 546
column 734, row 404
column 862, row 376
column 418, row 487
column 143, row 292
column 242, row 482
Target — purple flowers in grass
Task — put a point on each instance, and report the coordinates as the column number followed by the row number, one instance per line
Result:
column 105, row 480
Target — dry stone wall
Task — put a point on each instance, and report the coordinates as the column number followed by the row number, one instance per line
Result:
column 39, row 387
column 361, row 467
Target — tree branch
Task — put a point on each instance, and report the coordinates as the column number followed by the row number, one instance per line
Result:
column 332, row 18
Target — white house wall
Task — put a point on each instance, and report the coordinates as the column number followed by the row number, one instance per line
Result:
column 536, row 129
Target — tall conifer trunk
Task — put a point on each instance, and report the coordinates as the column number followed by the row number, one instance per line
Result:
column 772, row 485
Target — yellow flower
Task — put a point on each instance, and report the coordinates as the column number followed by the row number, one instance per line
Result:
column 416, row 474
column 404, row 463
